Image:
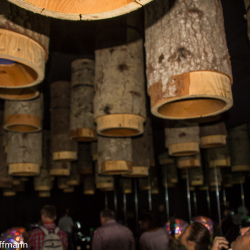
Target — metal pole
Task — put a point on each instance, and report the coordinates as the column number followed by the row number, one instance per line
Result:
column 208, row 203
column 115, row 201
column 149, row 196
column 166, row 192
column 195, row 203
column 188, row 197
column 125, row 208
column 218, row 198
column 242, row 194
column 106, row 199
column 224, row 197
column 136, row 202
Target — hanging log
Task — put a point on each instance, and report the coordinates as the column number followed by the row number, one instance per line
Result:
column 227, row 177
column 23, row 116
column 85, row 163
column 119, row 103
column 103, row 182
column 126, row 185
column 89, row 185
column 81, row 10
column 44, row 194
column 238, row 141
column 213, row 179
column 144, row 183
column 182, row 138
column 189, row 76
column 43, row 182
column 149, row 134
column 60, row 168
column 82, row 127
column 114, row 155
column 24, row 48
column 153, row 181
column 74, row 177
column 69, row 189
column 24, row 156
column 218, row 157
column 9, row 192
column 165, row 159
column 62, row 147
column 94, row 151
column 192, row 161
column 19, row 94
column 239, row 178
column 62, row 182
column 196, row 177
column 213, row 135
column 171, row 172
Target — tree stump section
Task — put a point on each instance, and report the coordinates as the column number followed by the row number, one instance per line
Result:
column 149, row 134
column 69, row 190
column 218, row 157
column 196, row 177
column 88, row 185
column 165, row 159
column 213, row 179
column 182, row 138
column 192, row 161
column 44, row 194
column 213, row 135
column 60, row 168
column 24, row 50
column 74, row 177
column 24, row 155
column 62, row 147
column 43, row 182
column 188, row 65
column 114, row 155
column 81, row 10
column 94, row 151
column 227, row 178
column 9, row 192
column 238, row 141
column 85, row 163
column 62, row 182
column 23, row 116
column 126, row 185
column 144, row 183
column 82, row 126
column 103, row 182
column 119, row 102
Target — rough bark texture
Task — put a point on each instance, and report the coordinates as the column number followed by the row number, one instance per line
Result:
column 140, row 151
column 189, row 37
column 119, row 80
column 46, row 150
column 182, row 132
column 192, row 161
column 101, row 180
column 64, row 165
column 126, row 185
column 149, row 133
column 218, row 157
column 217, row 128
column 85, row 163
column 170, row 171
column 238, row 140
column 24, row 148
column 212, row 177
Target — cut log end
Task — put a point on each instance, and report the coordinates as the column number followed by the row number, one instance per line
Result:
column 24, row 94
column 138, row 171
column 241, row 168
column 89, row 192
column 42, row 188
column 84, row 134
column 44, row 194
column 59, row 172
column 213, row 141
column 24, row 169
column 64, row 156
column 116, row 167
column 120, row 125
column 184, row 149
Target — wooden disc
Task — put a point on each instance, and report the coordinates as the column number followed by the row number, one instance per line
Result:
column 68, row 190
column 213, row 141
column 22, row 123
column 118, row 125
column 24, row 169
column 83, row 134
column 81, row 10
column 202, row 94
column 22, row 94
column 116, row 167
column 138, row 171
column 184, row 149
column 189, row 161
column 29, row 57
column 65, row 156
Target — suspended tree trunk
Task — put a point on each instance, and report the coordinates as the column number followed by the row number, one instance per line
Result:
column 188, row 66
column 218, row 157
column 114, row 155
column 227, row 177
column 24, row 155
column 196, row 177
column 191, row 161
column 85, row 163
column 182, row 138
column 23, row 116
column 62, row 147
column 24, row 49
column 103, row 182
column 58, row 168
column 89, row 185
column 119, row 103
column 149, row 134
column 126, row 185
column 62, row 182
column 213, row 180
column 44, row 194
column 74, row 178
column 82, row 125
column 213, row 135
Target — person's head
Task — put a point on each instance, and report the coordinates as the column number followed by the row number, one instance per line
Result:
column 48, row 214
column 195, row 237
column 243, row 241
column 147, row 222
column 106, row 215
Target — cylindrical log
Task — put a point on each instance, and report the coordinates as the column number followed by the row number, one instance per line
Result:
column 69, row 189
column 103, row 182
column 196, row 177
column 126, row 185
column 94, row 151
column 182, row 138
column 58, row 168
column 23, row 116
column 165, row 159
column 9, row 192
column 238, row 141
column 212, row 177
column 81, row 10
column 119, row 102
column 213, row 135
column 227, row 177
column 144, row 183
column 238, row 178
column 171, row 172
column 82, row 127
column 19, row 94
column 189, row 76
column 62, row 147
column 74, row 178
column 43, row 182
column 89, row 185
column 218, row 157
column 192, row 161
column 24, row 48
column 149, row 134
column 114, row 155
column 62, row 182
column 85, row 163
column 44, row 194
column 153, row 180
column 24, row 156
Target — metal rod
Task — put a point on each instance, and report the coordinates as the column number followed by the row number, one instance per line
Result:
column 125, row 207
column 106, row 199
column 195, row 203
column 242, row 194
column 208, row 203
column 218, row 199
column 188, row 199
column 136, row 202
column 149, row 195
column 115, row 202
column 224, row 197
column 166, row 192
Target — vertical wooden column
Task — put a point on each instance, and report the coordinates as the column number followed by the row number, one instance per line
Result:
column 62, row 147
column 82, row 127
column 188, row 65
column 74, row 178
column 85, row 162
column 89, row 185
column 103, row 182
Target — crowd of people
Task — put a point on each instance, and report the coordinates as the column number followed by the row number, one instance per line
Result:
column 111, row 235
